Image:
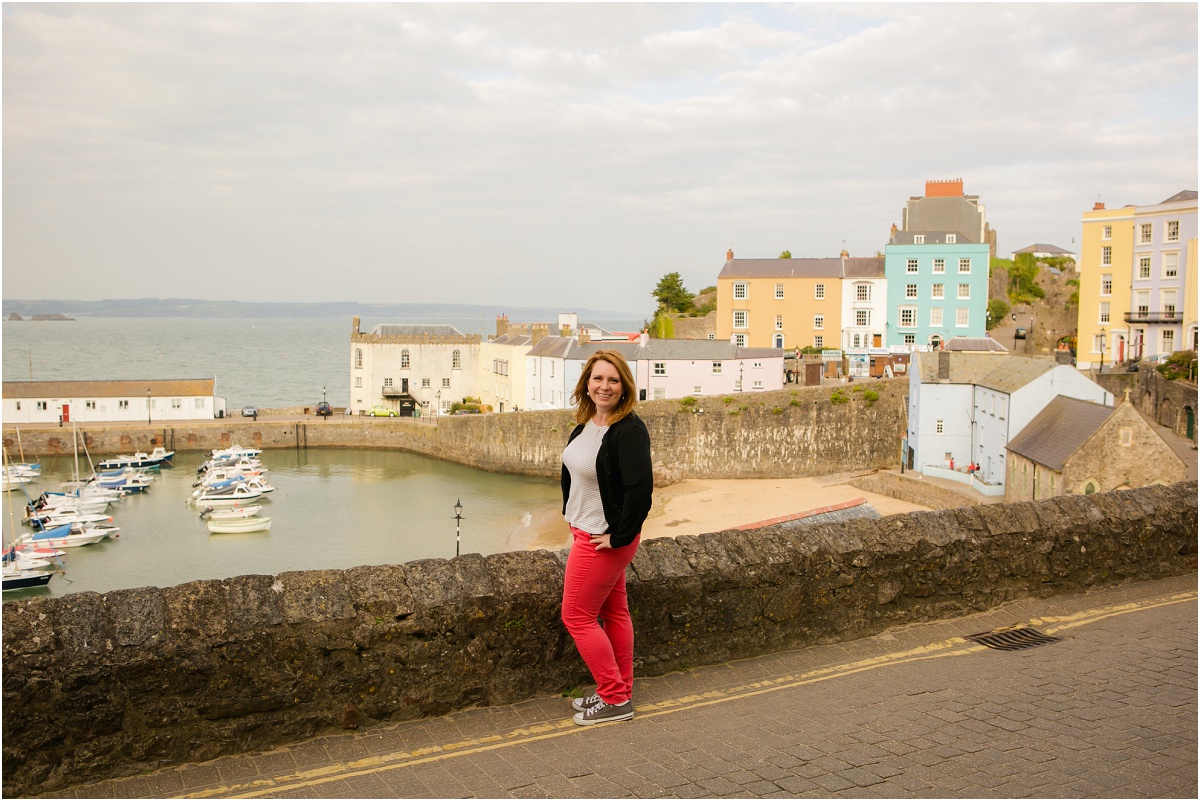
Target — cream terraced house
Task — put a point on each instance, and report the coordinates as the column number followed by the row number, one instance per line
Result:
column 157, row 401
column 411, row 368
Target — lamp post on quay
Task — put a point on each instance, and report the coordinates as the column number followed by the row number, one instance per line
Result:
column 458, row 518
column 148, row 406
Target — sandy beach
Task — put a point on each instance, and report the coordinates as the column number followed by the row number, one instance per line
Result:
column 696, row 506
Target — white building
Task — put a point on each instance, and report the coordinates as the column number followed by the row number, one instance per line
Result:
column 676, row 368
column 412, row 367
column 152, row 402
column 967, row 407
column 864, row 304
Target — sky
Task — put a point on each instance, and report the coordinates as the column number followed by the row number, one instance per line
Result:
column 561, row 154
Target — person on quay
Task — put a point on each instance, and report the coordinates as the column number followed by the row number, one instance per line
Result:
column 607, row 486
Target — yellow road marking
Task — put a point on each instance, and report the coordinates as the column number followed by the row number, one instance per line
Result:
column 955, row 646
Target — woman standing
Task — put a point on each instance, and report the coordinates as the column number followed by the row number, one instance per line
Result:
column 607, row 483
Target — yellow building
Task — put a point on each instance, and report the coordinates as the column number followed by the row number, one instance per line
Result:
column 1105, row 279
column 780, row 303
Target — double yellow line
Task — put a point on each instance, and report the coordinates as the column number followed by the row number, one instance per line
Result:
column 955, row 646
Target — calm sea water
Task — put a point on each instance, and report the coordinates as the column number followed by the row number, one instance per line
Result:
column 331, row 509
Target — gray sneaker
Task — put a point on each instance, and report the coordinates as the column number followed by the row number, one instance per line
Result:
column 584, row 704
column 604, row 713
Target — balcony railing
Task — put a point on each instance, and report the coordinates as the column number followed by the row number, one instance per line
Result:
column 394, row 392
column 1154, row 317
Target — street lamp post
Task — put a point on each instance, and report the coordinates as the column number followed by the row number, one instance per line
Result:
column 458, row 518
column 1102, row 341
column 323, row 398
column 148, row 406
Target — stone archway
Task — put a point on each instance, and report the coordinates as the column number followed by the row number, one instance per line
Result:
column 1146, row 404
column 1166, row 414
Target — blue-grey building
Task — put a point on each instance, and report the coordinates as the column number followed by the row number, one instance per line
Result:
column 937, row 285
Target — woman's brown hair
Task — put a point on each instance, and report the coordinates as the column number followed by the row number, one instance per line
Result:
column 585, row 408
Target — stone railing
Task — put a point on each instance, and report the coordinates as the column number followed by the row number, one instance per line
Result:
column 107, row 685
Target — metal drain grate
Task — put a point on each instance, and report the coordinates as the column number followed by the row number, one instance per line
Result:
column 1013, row 639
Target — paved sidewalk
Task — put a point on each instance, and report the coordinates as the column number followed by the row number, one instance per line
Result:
column 1107, row 711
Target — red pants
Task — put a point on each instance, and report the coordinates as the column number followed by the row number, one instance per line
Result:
column 594, row 587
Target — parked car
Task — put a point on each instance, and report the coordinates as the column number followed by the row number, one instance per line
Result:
column 381, row 411
column 1019, row 333
column 249, row 411
column 1158, row 358
column 324, row 409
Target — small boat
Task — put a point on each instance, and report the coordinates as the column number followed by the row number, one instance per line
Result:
column 225, row 496
column 17, row 579
column 49, row 518
column 230, row 513
column 153, row 460
column 10, row 480
column 128, row 480
column 64, row 537
column 239, row 525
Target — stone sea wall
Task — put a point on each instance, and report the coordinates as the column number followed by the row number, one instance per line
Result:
column 797, row 432
column 105, row 685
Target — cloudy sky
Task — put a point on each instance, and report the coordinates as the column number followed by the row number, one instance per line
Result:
column 560, row 155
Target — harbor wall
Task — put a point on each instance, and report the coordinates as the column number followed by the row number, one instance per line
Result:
column 804, row 431
column 105, row 685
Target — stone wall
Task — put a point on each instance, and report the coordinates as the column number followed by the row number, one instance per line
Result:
column 790, row 432
column 96, row 686
column 914, row 488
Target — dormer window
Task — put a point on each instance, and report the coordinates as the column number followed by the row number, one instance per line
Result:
column 951, row 239
column 919, row 239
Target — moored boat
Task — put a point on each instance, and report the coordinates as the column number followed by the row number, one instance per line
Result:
column 17, row 579
column 230, row 513
column 238, row 525
column 154, row 460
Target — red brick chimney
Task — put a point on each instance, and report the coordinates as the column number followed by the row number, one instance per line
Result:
column 729, row 255
column 845, row 254
column 1098, row 206
column 944, row 188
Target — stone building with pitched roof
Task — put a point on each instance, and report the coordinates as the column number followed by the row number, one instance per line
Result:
column 1076, row 447
column 412, row 367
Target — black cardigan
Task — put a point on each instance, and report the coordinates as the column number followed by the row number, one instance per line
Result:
column 625, row 475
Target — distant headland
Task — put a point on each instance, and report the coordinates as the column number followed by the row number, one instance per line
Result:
column 20, row 310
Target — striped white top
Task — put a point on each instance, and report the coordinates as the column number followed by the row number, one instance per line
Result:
column 585, row 509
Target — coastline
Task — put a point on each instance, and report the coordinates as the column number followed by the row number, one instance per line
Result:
column 696, row 506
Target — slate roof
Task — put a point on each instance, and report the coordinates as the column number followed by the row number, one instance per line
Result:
column 1059, row 430
column 1179, row 197
column 184, row 387
column 403, row 331
column 555, row 347
column 931, row 237
column 1041, row 248
column 973, row 345
column 803, row 268
column 993, row 370
column 680, row 349
column 511, row 339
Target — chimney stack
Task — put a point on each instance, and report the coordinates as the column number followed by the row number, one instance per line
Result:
column 355, row 330
column 501, row 324
column 1099, row 206
column 538, row 332
column 729, row 255
column 845, row 254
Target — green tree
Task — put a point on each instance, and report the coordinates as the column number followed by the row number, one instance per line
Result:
column 997, row 310
column 787, row 254
column 671, row 293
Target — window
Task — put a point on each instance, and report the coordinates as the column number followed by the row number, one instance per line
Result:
column 552, row 369
column 456, row 360
column 18, row 406
column 1142, row 303
column 1104, row 311
column 696, row 390
column 779, row 322
column 425, row 383
column 758, row 385
column 910, row 339
column 777, row 341
column 90, row 405
column 1170, row 265
column 862, row 292
column 445, row 383
column 1126, row 437
column 756, row 365
column 857, row 341
column 176, row 403
column 908, row 317
column 120, row 405
column 404, row 362
column 200, row 403
column 1143, row 267
column 1146, row 235
column 939, row 265
column 818, row 341
column 862, row 317
column 964, row 291
column 739, row 290
column 910, row 266
column 1168, row 341
column 358, row 358
column 740, row 319
column 660, row 368
column 1172, row 230
column 964, row 265
column 919, row 239
column 387, row 382
column 935, row 316
column 962, row 317
column 1106, row 232
column 951, row 239
column 716, row 368
column 43, row 406
column 819, row 321
column 938, row 292
column 779, row 292
column 819, row 292
column 739, row 340
column 940, row 427
column 1106, row 255
column 1106, row 284
column 910, row 291
column 1168, row 298
column 358, row 382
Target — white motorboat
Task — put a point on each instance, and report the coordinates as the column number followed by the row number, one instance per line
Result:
column 14, row 578
column 49, row 518
column 64, row 537
column 154, row 460
column 239, row 525
column 231, row 513
column 10, row 480
column 231, row 495
column 218, row 474
column 259, row 483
